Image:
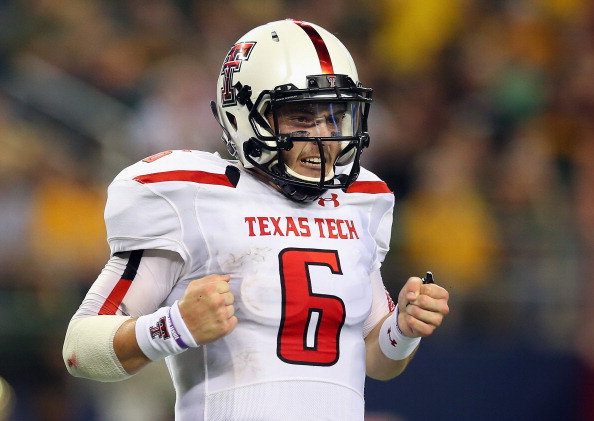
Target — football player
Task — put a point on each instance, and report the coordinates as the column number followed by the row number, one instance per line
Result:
column 258, row 279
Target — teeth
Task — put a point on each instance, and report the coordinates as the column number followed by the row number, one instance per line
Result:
column 315, row 161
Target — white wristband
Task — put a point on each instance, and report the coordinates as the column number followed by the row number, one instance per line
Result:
column 163, row 333
column 393, row 343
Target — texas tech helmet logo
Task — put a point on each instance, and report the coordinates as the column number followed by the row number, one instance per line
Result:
column 239, row 53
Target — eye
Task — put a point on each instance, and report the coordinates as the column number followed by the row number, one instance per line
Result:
column 301, row 119
column 335, row 119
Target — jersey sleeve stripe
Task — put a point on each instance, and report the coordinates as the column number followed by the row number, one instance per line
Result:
column 371, row 187
column 200, row 177
column 117, row 294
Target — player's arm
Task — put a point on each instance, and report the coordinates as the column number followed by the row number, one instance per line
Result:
column 378, row 365
column 207, row 313
column 120, row 328
column 391, row 344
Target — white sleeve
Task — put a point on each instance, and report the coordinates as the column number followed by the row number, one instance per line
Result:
column 139, row 217
column 382, row 217
column 133, row 284
column 382, row 304
column 380, row 211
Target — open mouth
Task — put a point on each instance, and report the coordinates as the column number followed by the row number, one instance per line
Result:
column 312, row 162
column 310, row 169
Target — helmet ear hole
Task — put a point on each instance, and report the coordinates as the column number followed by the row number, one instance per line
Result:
column 232, row 120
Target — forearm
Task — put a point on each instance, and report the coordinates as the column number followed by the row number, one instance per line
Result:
column 378, row 365
column 106, row 348
column 126, row 348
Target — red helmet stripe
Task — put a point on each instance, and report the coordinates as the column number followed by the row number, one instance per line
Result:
column 320, row 46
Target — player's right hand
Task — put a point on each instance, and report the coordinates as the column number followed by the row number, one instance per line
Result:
column 207, row 308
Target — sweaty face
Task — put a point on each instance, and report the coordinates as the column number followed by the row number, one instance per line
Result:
column 318, row 120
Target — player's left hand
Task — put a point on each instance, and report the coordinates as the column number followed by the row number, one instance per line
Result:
column 422, row 307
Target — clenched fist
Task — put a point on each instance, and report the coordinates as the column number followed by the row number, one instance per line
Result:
column 207, row 308
column 422, row 307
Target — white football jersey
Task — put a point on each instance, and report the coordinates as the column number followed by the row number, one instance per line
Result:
column 302, row 275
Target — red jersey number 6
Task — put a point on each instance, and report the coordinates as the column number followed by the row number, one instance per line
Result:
column 310, row 323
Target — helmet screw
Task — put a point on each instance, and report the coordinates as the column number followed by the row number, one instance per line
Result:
column 251, row 148
column 244, row 94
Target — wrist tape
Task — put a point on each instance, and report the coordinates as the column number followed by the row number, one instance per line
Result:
column 393, row 343
column 163, row 333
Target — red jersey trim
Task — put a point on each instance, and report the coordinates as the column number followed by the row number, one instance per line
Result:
column 320, row 46
column 117, row 294
column 200, row 177
column 370, row 187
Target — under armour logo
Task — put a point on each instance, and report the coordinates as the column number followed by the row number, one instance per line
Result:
column 333, row 198
column 160, row 330
column 392, row 340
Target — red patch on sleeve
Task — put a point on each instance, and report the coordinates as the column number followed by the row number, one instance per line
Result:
column 391, row 305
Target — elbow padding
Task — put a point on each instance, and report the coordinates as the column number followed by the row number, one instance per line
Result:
column 88, row 348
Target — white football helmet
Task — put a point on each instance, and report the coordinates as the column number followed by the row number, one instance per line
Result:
column 274, row 67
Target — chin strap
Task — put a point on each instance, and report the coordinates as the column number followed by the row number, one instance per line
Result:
column 295, row 192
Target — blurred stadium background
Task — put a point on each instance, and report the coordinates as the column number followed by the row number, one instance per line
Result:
column 483, row 125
